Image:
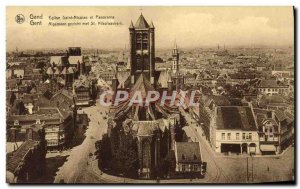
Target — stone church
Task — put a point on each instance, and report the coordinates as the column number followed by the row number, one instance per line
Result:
column 155, row 126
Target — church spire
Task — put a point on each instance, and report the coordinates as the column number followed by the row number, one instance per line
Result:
column 175, row 44
column 131, row 25
column 175, row 55
column 152, row 25
column 141, row 23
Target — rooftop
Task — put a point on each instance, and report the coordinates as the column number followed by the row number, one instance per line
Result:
column 235, row 118
column 187, row 152
column 16, row 160
column 141, row 23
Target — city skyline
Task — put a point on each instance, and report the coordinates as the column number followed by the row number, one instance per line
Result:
column 248, row 26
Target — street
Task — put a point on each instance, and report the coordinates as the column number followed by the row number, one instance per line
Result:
column 224, row 169
column 80, row 167
column 79, row 155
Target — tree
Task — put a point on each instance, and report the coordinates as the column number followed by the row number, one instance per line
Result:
column 125, row 159
column 104, row 152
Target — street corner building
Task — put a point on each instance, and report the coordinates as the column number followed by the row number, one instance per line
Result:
column 81, row 107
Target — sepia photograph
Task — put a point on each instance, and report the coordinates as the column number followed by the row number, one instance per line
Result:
column 150, row 95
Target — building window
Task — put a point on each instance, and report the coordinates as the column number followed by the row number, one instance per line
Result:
column 228, row 136
column 223, row 136
column 183, row 167
column 195, row 167
column 271, row 130
column 244, row 136
column 250, row 136
column 237, row 136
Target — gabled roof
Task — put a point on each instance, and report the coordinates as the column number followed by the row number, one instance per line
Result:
column 141, row 23
column 50, row 71
column 131, row 25
column 57, row 71
column 152, row 26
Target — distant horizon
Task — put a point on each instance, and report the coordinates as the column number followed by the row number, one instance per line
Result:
column 162, row 48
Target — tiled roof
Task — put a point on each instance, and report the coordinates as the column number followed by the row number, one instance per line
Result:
column 141, row 23
column 268, row 84
column 280, row 115
column 190, row 132
column 235, row 118
column 16, row 159
column 187, row 152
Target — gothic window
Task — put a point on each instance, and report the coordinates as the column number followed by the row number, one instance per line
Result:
column 138, row 46
column 183, row 157
column 139, row 62
column 138, row 37
column 146, row 154
column 145, row 37
column 146, row 62
column 145, row 45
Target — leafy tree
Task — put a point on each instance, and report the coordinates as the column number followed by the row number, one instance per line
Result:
column 104, row 152
column 125, row 160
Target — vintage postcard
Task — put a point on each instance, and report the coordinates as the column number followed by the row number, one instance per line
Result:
column 150, row 95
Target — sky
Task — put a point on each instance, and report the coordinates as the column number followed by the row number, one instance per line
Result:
column 189, row 26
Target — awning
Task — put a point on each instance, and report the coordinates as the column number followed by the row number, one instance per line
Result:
column 267, row 148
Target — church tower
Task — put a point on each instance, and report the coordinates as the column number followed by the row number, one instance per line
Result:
column 175, row 59
column 142, row 50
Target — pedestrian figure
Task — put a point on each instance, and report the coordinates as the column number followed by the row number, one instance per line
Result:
column 268, row 169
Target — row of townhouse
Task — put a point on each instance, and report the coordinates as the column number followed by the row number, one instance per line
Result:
column 243, row 129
